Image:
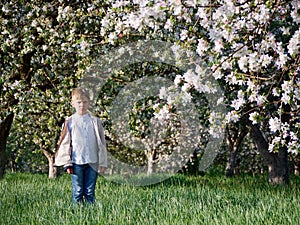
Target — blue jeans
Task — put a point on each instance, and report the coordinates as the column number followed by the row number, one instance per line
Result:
column 84, row 183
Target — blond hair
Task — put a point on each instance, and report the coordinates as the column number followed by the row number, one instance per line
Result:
column 79, row 93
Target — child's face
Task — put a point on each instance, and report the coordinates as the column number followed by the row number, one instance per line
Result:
column 81, row 105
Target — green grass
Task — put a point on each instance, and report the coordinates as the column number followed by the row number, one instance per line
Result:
column 211, row 199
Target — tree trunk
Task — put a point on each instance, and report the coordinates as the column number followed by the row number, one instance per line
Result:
column 234, row 138
column 5, row 126
column 150, row 159
column 296, row 170
column 277, row 162
column 296, row 166
column 231, row 159
column 53, row 170
column 279, row 168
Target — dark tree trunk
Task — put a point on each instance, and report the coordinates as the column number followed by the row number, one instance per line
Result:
column 5, row 126
column 279, row 168
column 234, row 138
column 277, row 162
column 231, row 159
column 296, row 166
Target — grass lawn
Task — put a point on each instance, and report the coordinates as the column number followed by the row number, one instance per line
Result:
column 211, row 199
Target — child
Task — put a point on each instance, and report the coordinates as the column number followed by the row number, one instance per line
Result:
column 82, row 148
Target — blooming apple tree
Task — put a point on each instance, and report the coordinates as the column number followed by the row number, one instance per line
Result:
column 251, row 48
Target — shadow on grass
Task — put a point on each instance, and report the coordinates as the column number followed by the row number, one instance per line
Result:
column 211, row 179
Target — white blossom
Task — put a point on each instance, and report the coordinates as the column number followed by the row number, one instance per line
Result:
column 251, row 86
column 274, row 124
column 260, row 99
column 254, row 117
column 141, row 3
column 243, row 63
column 287, row 86
column 105, row 22
column 169, row 25
column 186, row 87
column 218, row 45
column 295, row 13
column 201, row 47
column 176, row 50
column 253, row 62
column 163, row 93
column 265, row 60
column 183, row 35
column 282, row 60
column 111, row 38
column 285, row 30
column 294, row 44
column 263, row 15
column 189, row 76
column 163, row 113
column 120, row 3
column 177, row 7
column 237, row 103
column 186, row 97
column 178, row 79
column 232, row 116
column 217, row 74
column 285, row 98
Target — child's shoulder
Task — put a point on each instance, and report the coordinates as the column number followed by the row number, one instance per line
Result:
column 68, row 118
column 94, row 117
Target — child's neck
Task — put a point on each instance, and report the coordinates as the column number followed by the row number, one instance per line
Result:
column 82, row 114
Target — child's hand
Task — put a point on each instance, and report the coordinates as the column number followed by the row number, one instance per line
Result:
column 101, row 169
column 70, row 170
